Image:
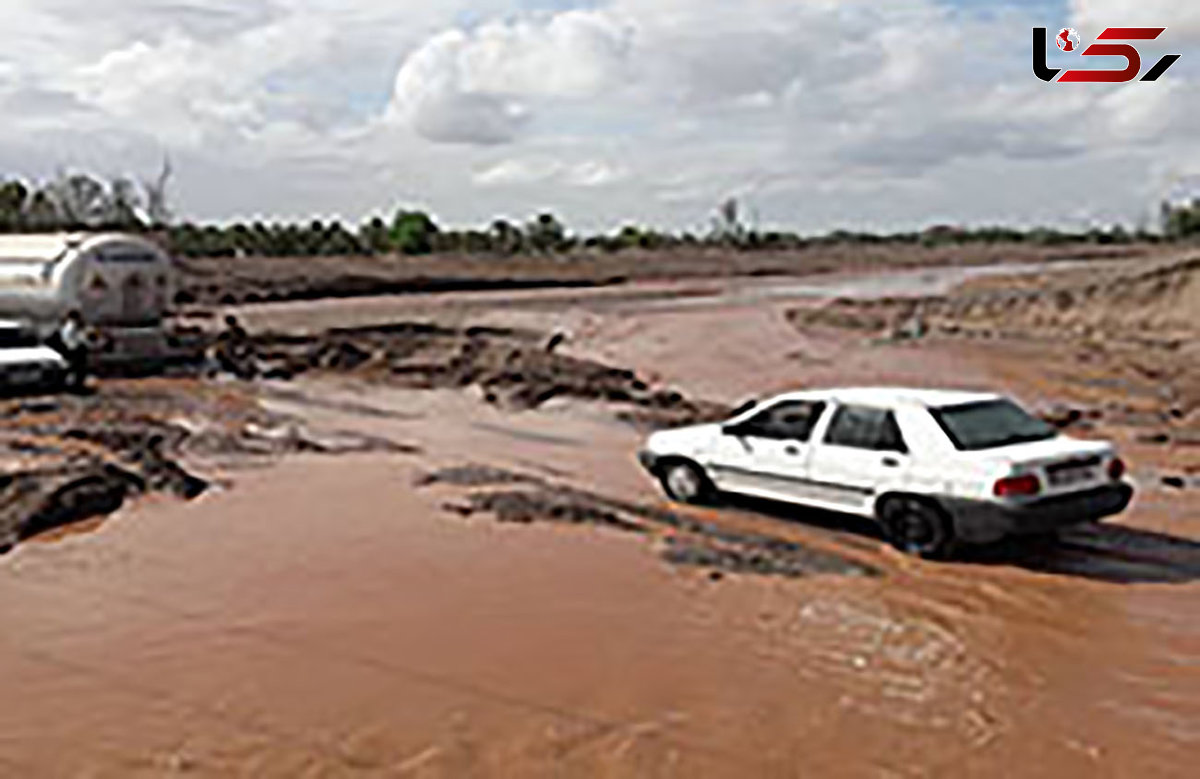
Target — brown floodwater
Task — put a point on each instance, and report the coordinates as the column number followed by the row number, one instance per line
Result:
column 327, row 617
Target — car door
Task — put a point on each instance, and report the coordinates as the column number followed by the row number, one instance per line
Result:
column 767, row 454
column 861, row 452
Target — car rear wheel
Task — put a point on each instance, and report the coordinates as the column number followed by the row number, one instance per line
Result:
column 686, row 482
column 918, row 528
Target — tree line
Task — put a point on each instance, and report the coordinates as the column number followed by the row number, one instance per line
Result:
column 76, row 201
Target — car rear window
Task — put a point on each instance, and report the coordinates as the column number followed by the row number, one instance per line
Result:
column 990, row 424
column 859, row 427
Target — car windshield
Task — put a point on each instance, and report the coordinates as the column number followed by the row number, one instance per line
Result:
column 991, row 424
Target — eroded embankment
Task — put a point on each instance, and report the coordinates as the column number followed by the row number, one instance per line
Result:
column 1153, row 307
column 516, row 369
column 70, row 458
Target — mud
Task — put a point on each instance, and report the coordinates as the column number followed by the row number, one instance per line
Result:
column 684, row 540
column 519, row 370
column 148, row 429
column 73, row 458
column 374, row 615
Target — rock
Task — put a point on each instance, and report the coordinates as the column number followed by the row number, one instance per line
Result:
column 557, row 340
column 913, row 328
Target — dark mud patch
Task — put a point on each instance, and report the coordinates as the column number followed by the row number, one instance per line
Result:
column 525, row 507
column 475, row 476
column 758, row 556
column 35, row 502
column 685, row 541
column 147, row 454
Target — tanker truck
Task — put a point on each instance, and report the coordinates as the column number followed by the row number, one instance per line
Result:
column 121, row 285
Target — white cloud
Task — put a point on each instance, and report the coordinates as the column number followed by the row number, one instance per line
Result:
column 1180, row 17
column 462, row 87
column 540, row 170
column 820, row 112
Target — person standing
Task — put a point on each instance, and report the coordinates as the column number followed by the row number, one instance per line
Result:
column 72, row 342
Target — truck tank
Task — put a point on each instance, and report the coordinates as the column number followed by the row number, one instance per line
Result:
column 122, row 285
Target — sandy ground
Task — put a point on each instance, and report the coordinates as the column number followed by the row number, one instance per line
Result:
column 345, row 616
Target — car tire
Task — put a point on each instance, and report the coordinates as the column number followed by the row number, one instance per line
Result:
column 919, row 528
column 685, row 482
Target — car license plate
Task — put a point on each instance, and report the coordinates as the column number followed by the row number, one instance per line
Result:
column 1067, row 477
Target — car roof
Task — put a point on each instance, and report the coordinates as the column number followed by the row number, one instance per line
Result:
column 892, row 396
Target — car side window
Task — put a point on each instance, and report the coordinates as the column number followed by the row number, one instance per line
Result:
column 860, row 427
column 788, row 421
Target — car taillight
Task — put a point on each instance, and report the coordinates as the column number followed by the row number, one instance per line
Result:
column 1018, row 486
column 1116, row 469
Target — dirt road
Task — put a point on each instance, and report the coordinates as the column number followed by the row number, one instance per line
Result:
column 366, row 615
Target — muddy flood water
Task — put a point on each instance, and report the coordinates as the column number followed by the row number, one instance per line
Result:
column 367, row 615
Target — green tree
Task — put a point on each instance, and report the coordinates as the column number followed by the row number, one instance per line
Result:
column 1181, row 221
column 13, row 197
column 375, row 237
column 413, row 232
column 546, row 234
column 506, row 237
column 42, row 213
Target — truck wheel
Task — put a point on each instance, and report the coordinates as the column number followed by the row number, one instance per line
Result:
column 918, row 528
column 686, row 482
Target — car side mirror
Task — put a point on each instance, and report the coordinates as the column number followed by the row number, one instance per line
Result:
column 735, row 431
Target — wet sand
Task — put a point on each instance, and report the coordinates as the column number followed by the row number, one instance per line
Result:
column 330, row 617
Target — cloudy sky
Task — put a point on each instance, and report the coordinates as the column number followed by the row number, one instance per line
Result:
column 817, row 113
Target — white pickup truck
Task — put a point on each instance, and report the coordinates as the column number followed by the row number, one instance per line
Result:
column 934, row 468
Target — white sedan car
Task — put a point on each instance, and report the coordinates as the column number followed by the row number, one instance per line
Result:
column 934, row 468
column 25, row 362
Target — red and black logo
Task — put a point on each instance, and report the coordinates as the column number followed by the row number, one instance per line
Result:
column 1068, row 41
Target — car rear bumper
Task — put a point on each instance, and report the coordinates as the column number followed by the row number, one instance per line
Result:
column 985, row 521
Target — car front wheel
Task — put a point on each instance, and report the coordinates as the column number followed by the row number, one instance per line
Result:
column 918, row 528
column 685, row 482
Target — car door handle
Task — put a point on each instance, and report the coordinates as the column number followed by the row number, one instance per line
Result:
column 792, row 451
column 891, row 462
